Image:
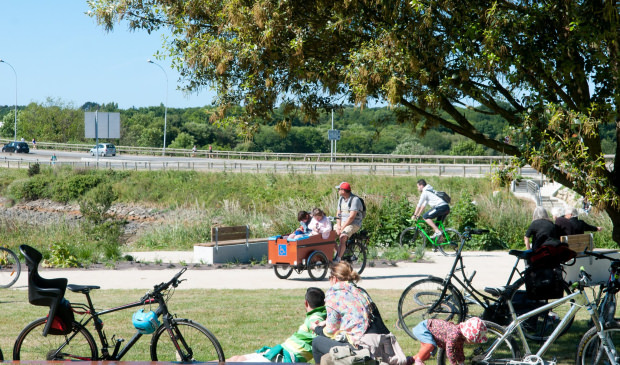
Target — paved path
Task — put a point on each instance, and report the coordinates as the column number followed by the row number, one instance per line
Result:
column 492, row 270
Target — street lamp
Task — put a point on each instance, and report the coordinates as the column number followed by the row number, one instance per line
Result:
column 15, row 127
column 165, row 106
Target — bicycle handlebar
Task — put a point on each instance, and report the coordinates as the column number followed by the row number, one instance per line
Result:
column 600, row 256
column 174, row 282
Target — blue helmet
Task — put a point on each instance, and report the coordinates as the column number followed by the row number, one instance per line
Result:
column 145, row 322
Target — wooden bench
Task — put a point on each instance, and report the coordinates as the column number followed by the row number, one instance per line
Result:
column 579, row 243
column 230, row 244
column 234, row 235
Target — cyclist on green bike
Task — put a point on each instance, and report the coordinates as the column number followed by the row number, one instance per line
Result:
column 439, row 208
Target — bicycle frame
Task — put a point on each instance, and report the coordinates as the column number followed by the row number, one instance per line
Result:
column 93, row 315
column 580, row 300
column 441, row 227
column 466, row 283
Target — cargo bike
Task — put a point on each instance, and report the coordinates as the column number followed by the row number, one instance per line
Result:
column 314, row 253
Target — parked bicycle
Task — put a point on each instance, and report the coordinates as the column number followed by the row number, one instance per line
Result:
column 416, row 237
column 10, row 268
column 597, row 346
column 63, row 338
column 454, row 298
column 606, row 300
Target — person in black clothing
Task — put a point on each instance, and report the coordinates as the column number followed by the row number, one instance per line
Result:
column 564, row 226
column 579, row 226
column 542, row 231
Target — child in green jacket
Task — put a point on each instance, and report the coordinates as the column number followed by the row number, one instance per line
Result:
column 298, row 347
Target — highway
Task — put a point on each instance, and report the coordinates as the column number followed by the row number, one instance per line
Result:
column 146, row 162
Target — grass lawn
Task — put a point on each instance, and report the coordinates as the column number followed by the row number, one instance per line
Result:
column 242, row 320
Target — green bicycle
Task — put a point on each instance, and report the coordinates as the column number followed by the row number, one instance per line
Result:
column 416, row 237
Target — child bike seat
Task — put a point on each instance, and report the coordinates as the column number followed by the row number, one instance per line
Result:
column 41, row 291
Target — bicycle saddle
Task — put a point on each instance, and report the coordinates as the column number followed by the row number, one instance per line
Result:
column 524, row 255
column 41, row 291
column 82, row 288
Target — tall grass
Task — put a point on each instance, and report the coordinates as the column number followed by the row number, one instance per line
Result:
column 268, row 203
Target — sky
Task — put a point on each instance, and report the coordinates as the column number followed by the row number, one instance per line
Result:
column 59, row 52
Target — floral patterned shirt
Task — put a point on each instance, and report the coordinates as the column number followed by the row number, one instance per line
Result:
column 347, row 312
column 448, row 336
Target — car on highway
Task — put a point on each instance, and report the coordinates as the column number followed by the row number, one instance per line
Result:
column 103, row 149
column 17, row 147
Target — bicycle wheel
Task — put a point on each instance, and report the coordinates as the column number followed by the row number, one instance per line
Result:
column 9, row 267
column 541, row 326
column 31, row 345
column 418, row 301
column 412, row 237
column 506, row 351
column 355, row 254
column 196, row 343
column 450, row 242
column 317, row 265
column 283, row 271
column 591, row 351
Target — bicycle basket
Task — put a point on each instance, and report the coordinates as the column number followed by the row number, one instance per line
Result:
column 145, row 322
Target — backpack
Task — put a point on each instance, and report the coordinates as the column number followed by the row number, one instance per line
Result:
column 443, row 196
column 345, row 355
column 363, row 212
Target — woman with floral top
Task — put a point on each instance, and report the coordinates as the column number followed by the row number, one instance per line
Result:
column 434, row 333
column 348, row 315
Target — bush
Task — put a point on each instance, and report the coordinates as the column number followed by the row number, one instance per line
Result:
column 73, row 186
column 34, row 169
column 29, row 189
column 464, row 213
column 97, row 202
column 386, row 221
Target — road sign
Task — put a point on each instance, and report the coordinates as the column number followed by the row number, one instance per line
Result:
column 333, row 135
column 108, row 125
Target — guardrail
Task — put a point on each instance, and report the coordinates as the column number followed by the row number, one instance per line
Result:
column 275, row 156
column 463, row 170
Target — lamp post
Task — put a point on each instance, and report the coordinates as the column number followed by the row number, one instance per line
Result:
column 165, row 106
column 15, row 127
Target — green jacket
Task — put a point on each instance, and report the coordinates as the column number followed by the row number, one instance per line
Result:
column 298, row 347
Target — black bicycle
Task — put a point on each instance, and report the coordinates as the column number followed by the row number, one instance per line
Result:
column 441, row 298
column 64, row 338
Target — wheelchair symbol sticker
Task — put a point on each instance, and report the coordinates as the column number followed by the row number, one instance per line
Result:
column 281, row 250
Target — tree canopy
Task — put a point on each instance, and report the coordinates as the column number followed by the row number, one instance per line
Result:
column 549, row 69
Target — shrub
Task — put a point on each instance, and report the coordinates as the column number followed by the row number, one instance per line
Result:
column 29, row 189
column 464, row 212
column 73, row 187
column 34, row 169
column 386, row 220
column 97, row 202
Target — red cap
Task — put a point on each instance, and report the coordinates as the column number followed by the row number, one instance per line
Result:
column 344, row 185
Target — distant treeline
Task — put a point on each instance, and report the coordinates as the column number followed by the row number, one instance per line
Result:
column 370, row 130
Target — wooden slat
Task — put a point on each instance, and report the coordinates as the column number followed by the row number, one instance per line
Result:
column 228, row 233
column 579, row 242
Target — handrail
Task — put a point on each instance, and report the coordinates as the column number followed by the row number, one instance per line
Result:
column 534, row 190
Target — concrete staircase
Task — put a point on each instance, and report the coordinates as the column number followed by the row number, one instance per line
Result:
column 541, row 192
